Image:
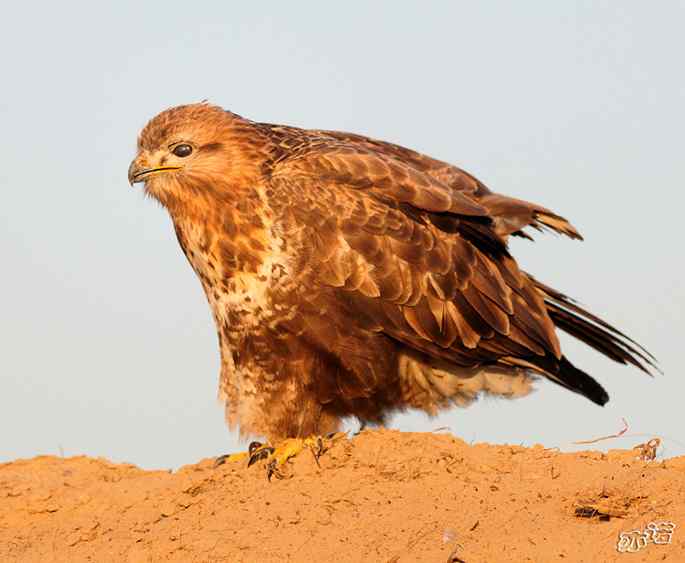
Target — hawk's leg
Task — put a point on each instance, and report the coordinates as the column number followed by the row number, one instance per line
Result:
column 277, row 456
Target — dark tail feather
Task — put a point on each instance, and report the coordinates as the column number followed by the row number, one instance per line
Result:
column 564, row 373
column 595, row 332
column 577, row 380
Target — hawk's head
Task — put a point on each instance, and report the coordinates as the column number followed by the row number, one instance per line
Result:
column 191, row 153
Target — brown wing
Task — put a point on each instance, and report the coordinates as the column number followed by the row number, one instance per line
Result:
column 509, row 214
column 371, row 229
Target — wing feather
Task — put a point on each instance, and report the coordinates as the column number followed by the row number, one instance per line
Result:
column 439, row 291
column 510, row 215
column 416, row 249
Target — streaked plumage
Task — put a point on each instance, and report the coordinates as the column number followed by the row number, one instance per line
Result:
column 352, row 277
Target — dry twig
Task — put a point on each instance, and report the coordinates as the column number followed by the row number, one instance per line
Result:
column 617, row 435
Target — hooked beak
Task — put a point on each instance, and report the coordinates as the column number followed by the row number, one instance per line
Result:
column 138, row 172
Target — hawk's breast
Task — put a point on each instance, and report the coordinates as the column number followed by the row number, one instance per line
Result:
column 244, row 269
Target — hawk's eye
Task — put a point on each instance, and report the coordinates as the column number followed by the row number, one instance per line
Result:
column 182, row 150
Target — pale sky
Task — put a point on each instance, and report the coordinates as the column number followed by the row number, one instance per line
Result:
column 108, row 346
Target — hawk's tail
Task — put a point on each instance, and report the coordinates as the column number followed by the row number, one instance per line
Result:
column 567, row 315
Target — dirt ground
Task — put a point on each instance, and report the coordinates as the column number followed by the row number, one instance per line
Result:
column 381, row 496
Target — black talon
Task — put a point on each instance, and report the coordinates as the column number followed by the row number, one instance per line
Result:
column 259, row 454
column 320, row 450
column 253, row 446
column 270, row 470
column 220, row 460
column 273, row 470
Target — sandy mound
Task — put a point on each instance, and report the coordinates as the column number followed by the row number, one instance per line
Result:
column 382, row 496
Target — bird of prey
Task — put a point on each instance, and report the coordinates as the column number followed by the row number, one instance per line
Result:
column 352, row 277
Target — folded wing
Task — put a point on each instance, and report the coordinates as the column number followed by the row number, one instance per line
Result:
column 510, row 215
column 420, row 261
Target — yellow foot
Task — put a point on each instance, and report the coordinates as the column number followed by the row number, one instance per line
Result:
column 240, row 456
column 277, row 456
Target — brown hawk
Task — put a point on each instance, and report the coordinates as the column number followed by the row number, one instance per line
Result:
column 351, row 277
